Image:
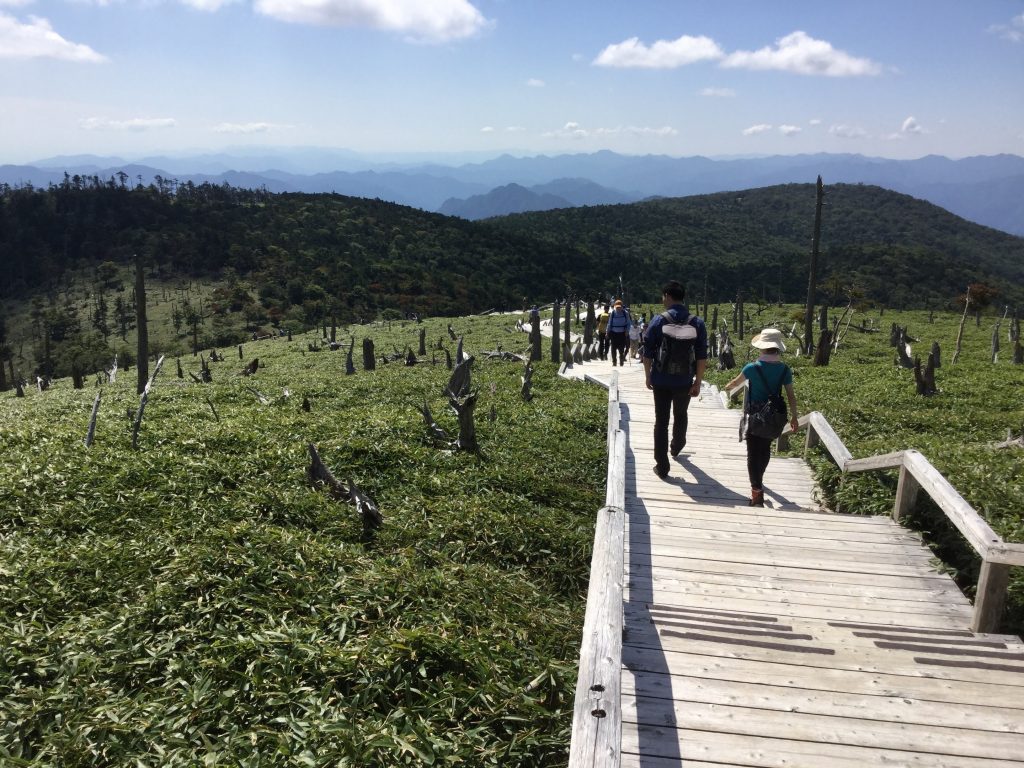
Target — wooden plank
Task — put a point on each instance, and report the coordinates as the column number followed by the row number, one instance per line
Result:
column 817, row 558
column 713, row 562
column 660, row 591
column 848, row 655
column 845, row 722
column 792, row 698
column 768, row 751
column 939, row 592
column 803, row 518
column 683, row 536
column 700, row 520
column 810, row 674
column 948, row 616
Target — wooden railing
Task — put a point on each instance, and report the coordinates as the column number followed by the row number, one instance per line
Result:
column 597, row 716
column 916, row 474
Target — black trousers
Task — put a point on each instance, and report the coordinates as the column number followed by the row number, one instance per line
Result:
column 619, row 343
column 669, row 402
column 759, row 452
column 602, row 345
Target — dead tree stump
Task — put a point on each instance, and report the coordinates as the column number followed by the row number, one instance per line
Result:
column 527, row 380
column 369, row 360
column 925, row 380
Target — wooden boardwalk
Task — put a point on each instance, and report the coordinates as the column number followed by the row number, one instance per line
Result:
column 790, row 636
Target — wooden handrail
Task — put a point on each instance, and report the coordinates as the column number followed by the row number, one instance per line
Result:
column 597, row 714
column 917, row 473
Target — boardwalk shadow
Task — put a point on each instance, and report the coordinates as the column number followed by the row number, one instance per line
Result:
column 707, row 490
column 641, row 596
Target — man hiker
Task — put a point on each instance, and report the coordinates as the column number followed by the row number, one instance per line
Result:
column 618, row 332
column 674, row 340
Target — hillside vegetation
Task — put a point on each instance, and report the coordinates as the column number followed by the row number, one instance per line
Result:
column 197, row 601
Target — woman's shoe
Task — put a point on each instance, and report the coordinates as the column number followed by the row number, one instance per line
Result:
column 756, row 498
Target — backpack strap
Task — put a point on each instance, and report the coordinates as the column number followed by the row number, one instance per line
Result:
column 672, row 321
column 764, row 379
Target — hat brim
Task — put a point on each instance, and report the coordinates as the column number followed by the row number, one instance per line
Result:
column 760, row 343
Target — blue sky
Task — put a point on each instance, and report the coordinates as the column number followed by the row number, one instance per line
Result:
column 889, row 78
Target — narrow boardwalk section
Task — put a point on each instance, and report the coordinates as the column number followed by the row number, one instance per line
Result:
column 790, row 636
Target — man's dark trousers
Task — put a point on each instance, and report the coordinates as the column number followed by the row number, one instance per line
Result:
column 669, row 401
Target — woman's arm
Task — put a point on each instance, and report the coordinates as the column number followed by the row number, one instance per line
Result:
column 740, row 378
column 793, row 416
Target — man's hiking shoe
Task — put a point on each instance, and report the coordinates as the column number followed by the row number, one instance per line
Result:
column 662, row 473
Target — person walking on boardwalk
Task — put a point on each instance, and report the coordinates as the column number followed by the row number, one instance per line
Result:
column 618, row 332
column 675, row 354
column 766, row 377
column 602, row 333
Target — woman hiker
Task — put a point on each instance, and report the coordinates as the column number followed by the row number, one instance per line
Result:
column 767, row 376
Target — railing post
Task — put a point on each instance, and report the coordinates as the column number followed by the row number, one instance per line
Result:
column 812, row 439
column 906, row 493
column 991, row 596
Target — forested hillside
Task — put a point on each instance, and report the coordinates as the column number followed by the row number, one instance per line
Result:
column 883, row 246
column 299, row 260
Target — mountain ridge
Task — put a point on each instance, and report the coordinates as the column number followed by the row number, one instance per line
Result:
column 983, row 188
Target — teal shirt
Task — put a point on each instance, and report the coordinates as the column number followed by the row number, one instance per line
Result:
column 777, row 375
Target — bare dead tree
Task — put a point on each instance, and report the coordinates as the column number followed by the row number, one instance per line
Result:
column 527, row 382
column 963, row 320
column 91, row 432
column 143, row 399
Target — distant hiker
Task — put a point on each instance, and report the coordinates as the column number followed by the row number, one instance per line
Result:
column 634, row 338
column 676, row 343
column 535, row 317
column 602, row 333
column 618, row 332
column 765, row 380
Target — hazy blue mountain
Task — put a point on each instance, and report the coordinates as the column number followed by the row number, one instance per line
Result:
column 983, row 189
column 511, row 198
column 583, row 192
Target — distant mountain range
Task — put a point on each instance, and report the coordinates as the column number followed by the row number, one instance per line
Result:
column 988, row 190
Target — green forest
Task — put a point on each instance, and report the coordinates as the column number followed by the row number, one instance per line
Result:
column 298, row 261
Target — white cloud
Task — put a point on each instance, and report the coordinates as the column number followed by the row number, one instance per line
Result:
column 487, row 129
column 847, row 131
column 633, row 130
column 424, row 20
column 570, row 130
column 789, row 130
column 136, row 124
column 576, row 131
column 756, row 129
column 910, row 125
column 533, row 82
column 814, row 121
column 718, row 93
column 208, row 5
column 1014, row 31
column 14, row 3
column 799, row 53
column 514, row 129
column 247, row 128
column 37, row 40
column 663, row 54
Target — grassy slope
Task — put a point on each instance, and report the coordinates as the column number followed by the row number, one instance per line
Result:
column 197, row 597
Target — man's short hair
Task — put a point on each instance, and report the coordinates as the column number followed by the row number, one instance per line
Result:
column 674, row 289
